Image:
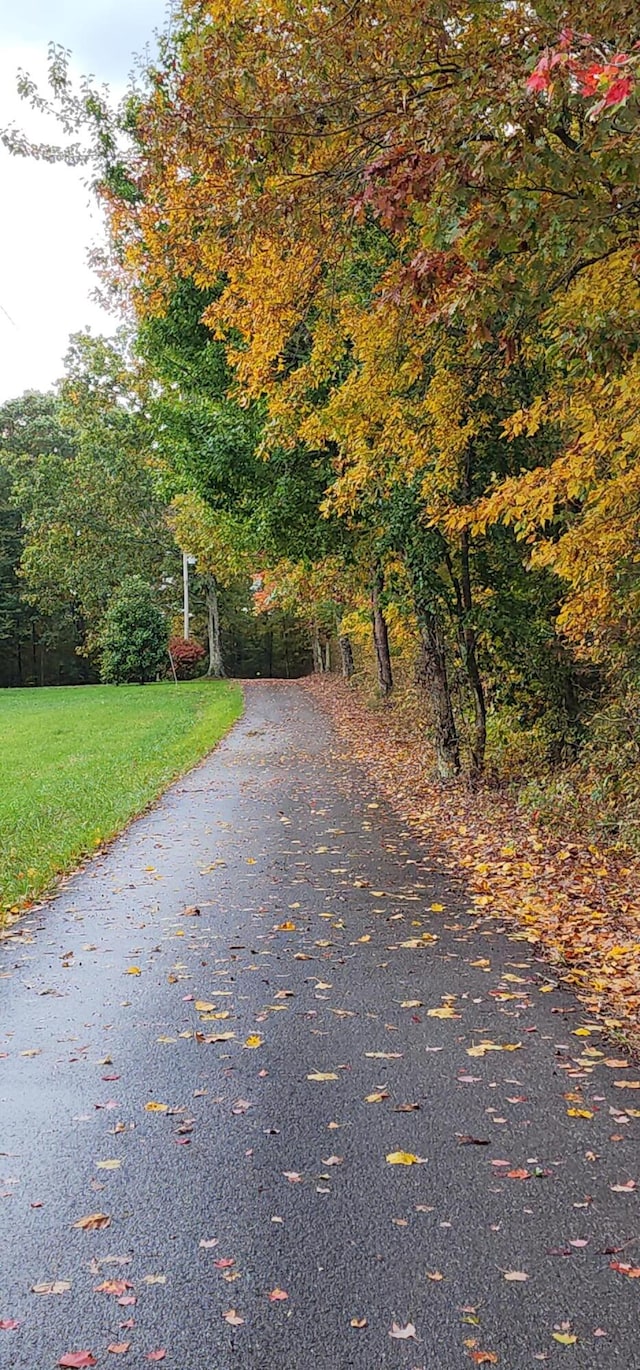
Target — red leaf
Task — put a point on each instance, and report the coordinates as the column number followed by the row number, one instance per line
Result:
column 157, row 1355
column 9, row 1325
column 76, row 1360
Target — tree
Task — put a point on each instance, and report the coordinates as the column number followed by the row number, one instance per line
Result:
column 91, row 503
column 220, row 545
column 134, row 635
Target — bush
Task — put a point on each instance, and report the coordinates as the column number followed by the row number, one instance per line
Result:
column 186, row 656
column 134, row 634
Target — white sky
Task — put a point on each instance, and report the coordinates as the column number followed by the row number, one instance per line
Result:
column 47, row 222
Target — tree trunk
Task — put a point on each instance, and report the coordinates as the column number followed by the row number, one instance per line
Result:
column 316, row 651
column 327, row 655
column 434, row 668
column 468, row 644
column 380, row 634
column 216, row 667
column 346, row 655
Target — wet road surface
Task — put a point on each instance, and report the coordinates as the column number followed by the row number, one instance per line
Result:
column 226, row 1086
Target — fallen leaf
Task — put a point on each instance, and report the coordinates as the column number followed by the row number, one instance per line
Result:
column 157, row 1355
column 484, row 1357
column 11, row 1325
column 435, row 1275
column 253, row 1041
column 403, row 1333
column 233, row 1317
column 133, row 970
column 515, row 1275
column 445, row 1012
column 565, row 1338
column 278, row 1295
column 119, row 1348
column 322, row 1075
column 108, row 1165
column 358, row 1322
column 153, row 1107
column 94, row 1222
column 404, row 1158
column 377, row 1097
column 76, row 1360
column 201, row 1006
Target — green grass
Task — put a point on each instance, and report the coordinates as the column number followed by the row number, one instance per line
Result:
column 78, row 762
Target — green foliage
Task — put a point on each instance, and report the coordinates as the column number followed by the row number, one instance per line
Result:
column 134, row 635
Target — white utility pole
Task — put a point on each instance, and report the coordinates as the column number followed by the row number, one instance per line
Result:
column 185, row 582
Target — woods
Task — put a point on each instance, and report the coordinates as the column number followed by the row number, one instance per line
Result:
column 384, row 269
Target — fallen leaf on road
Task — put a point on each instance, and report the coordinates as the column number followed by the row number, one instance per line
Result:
column 322, row 1075
column 55, row 1287
column 376, row 1097
column 565, row 1338
column 278, row 1295
column 77, row 1360
column 119, row 1348
column 435, row 1275
column 233, row 1317
column 157, row 1355
column 94, row 1222
column 384, row 1055
column 515, row 1275
column 201, row 1006
column 153, row 1107
column 445, row 1012
column 292, row 1176
column 108, row 1165
column 115, row 1287
column 358, row 1322
column 133, row 970
column 10, row 1325
column 404, row 1158
column 253, row 1041
column 484, row 1357
column 403, row 1333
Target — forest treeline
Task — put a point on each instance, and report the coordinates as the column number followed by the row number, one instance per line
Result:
column 383, row 260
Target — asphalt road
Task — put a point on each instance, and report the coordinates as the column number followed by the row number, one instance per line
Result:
column 326, row 934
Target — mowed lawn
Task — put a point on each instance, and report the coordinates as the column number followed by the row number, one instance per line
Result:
column 78, row 762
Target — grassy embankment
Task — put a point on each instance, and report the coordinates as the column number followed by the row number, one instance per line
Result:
column 78, row 762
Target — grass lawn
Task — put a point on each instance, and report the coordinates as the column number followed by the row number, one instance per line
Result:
column 78, row 762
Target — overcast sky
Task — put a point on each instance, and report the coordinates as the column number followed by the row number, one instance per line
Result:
column 47, row 222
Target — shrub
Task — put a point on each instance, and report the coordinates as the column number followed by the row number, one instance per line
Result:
column 133, row 639
column 186, row 656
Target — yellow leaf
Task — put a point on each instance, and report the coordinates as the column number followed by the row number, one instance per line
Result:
column 446, row 1012
column 436, row 908
column 322, row 1075
column 402, row 1158
column 201, row 1006
column 109, row 1165
column 153, row 1107
column 253, row 1041
column 287, row 926
column 565, row 1338
column 579, row 1113
column 133, row 970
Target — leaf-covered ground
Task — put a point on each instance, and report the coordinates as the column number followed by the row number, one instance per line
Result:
column 579, row 903
column 272, row 1097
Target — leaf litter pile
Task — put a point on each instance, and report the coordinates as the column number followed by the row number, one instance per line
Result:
column 578, row 903
column 320, row 1058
